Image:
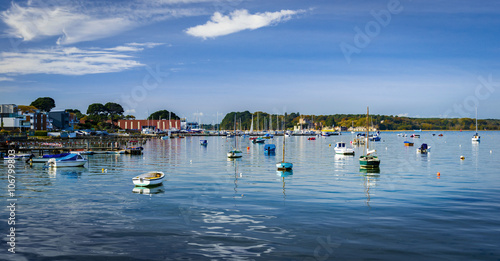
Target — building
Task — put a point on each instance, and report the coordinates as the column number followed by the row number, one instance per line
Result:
column 12, row 119
column 38, row 121
column 61, row 120
column 163, row 125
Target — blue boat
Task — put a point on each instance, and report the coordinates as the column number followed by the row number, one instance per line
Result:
column 284, row 165
column 269, row 149
column 203, row 142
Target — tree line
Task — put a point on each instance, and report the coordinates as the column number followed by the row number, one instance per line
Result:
column 261, row 121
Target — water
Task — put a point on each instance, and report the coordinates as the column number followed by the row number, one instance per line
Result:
column 210, row 208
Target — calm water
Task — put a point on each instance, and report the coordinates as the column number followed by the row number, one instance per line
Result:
column 209, row 208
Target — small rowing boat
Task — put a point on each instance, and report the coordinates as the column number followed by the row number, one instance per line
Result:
column 149, row 178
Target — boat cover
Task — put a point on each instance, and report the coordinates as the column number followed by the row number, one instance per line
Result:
column 424, row 146
column 56, row 155
column 69, row 157
column 269, row 147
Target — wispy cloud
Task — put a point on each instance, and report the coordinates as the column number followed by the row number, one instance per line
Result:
column 237, row 21
column 83, row 21
column 5, row 79
column 69, row 61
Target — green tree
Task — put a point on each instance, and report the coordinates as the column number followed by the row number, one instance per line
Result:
column 113, row 108
column 163, row 114
column 95, row 109
column 44, row 104
column 78, row 113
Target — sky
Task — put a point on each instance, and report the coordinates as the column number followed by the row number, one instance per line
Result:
column 204, row 58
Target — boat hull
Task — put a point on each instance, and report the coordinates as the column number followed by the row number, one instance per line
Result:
column 369, row 162
column 148, row 179
column 346, row 151
column 234, row 154
column 284, row 166
column 59, row 164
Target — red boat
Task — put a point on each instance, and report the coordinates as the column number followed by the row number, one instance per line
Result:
column 311, row 138
column 253, row 138
column 440, row 135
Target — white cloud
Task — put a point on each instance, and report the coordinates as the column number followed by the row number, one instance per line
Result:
column 30, row 23
column 79, row 21
column 128, row 112
column 237, row 21
column 68, row 61
column 4, row 79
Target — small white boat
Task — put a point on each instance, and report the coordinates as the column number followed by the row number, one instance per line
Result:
column 149, row 179
column 476, row 137
column 234, row 154
column 72, row 160
column 340, row 148
column 17, row 156
column 83, row 152
column 117, row 152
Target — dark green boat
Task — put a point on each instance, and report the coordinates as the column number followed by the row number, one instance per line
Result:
column 368, row 161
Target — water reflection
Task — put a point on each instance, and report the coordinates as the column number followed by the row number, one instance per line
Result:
column 239, row 241
column 370, row 178
column 70, row 173
column 284, row 174
column 149, row 190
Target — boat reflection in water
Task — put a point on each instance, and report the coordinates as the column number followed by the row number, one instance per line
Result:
column 370, row 177
column 370, row 172
column 284, row 174
column 70, row 173
column 149, row 190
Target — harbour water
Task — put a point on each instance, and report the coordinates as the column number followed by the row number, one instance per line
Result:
column 212, row 208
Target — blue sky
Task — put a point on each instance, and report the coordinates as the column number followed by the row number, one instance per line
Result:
column 198, row 58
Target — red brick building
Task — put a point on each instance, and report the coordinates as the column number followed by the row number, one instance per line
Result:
column 140, row 124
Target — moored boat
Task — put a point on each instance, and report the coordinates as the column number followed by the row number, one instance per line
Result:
column 368, row 161
column 149, row 178
column 234, row 154
column 424, row 148
column 203, row 142
column 45, row 158
column 71, row 160
column 340, row 148
column 408, row 144
column 17, row 156
column 259, row 140
column 476, row 137
column 269, row 149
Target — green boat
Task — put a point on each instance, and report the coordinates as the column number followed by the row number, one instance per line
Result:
column 368, row 161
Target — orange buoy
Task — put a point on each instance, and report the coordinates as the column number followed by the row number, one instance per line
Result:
column 462, row 157
column 248, row 148
column 439, row 174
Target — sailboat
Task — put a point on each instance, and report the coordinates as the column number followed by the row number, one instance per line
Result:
column 234, row 153
column 284, row 165
column 251, row 126
column 476, row 137
column 368, row 161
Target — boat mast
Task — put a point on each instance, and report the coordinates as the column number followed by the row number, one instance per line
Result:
column 235, row 137
column 476, row 120
column 367, row 126
column 284, row 133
